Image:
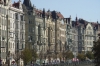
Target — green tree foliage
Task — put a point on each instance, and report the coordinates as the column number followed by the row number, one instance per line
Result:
column 34, row 55
column 26, row 55
column 81, row 56
column 68, row 55
column 89, row 54
column 96, row 52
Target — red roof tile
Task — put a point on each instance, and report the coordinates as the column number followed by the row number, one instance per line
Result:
column 60, row 15
column 40, row 11
column 16, row 4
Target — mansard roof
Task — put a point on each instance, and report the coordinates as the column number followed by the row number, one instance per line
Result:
column 83, row 23
column 37, row 11
column 16, row 4
column 60, row 15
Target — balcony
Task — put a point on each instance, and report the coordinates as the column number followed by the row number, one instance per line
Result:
column 91, row 35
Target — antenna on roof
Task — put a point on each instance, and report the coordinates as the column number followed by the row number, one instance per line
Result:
column 76, row 17
column 97, row 20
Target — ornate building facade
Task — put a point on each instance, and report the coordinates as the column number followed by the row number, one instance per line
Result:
column 12, row 31
column 87, row 33
column 48, row 33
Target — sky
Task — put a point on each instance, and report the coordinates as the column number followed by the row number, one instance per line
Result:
column 86, row 9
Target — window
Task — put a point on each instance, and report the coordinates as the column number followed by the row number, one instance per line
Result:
column 0, row 9
column 13, row 16
column 87, row 42
column 31, row 38
column 22, row 26
column 17, row 26
column 9, row 44
column 16, row 16
column 90, row 33
column 29, row 13
column 16, row 35
column 30, row 29
column 29, row 22
column 36, row 30
column 13, row 25
column 21, row 17
column 13, row 45
column 22, row 36
column 22, row 46
column 39, row 30
column 90, row 38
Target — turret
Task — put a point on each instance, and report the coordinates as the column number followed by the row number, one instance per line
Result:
column 43, row 14
column 20, row 5
column 70, row 20
column 5, row 2
column 54, row 14
column 33, row 9
column 76, row 18
column 27, row 3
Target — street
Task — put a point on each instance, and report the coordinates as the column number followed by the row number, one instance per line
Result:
column 72, row 64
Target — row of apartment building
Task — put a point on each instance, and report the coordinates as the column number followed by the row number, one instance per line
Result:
column 12, row 30
column 54, row 34
column 48, row 32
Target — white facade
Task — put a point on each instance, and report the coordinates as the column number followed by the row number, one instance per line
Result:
column 16, row 29
column 3, row 32
column 89, row 38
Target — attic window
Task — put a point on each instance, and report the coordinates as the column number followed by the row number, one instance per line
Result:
column 89, row 28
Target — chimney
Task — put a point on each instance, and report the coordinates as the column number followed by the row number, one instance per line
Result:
column 54, row 14
column 43, row 14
